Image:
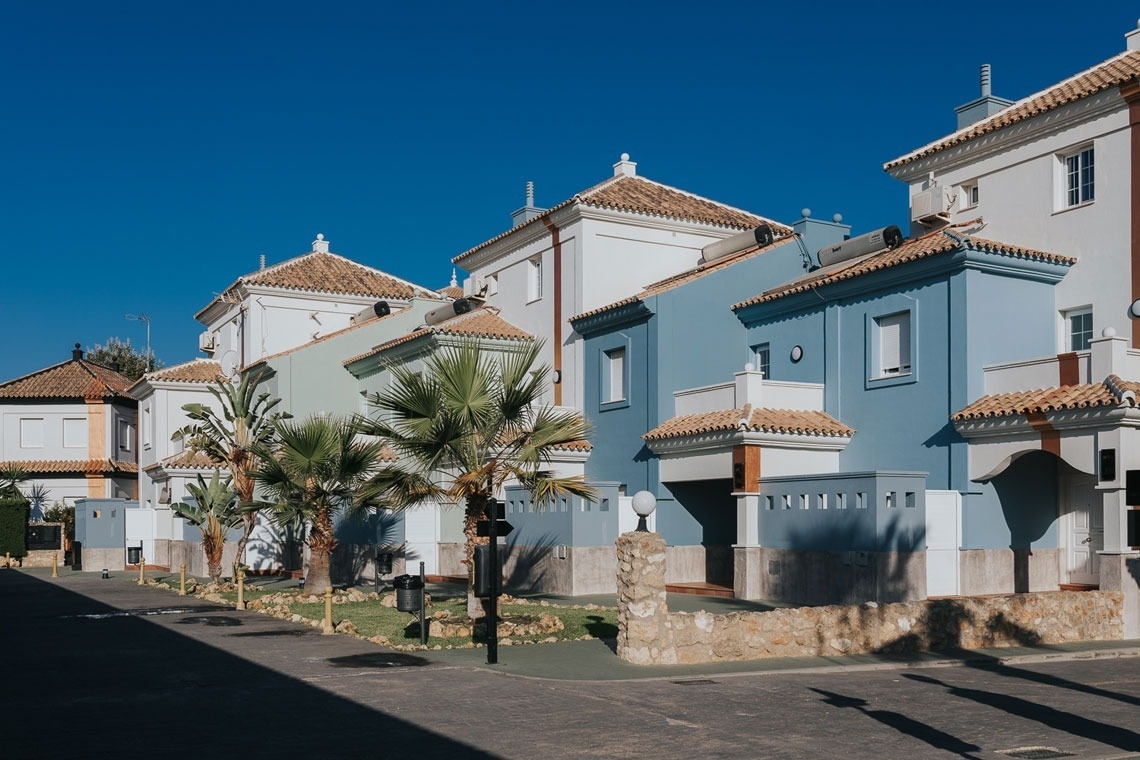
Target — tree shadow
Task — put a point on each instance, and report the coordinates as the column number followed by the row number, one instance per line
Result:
column 600, row 629
column 528, row 566
column 903, row 724
column 939, row 629
column 1060, row 720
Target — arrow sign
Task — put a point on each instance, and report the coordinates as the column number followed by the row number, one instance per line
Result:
column 502, row 528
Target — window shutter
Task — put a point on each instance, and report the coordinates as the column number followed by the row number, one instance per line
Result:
column 894, row 344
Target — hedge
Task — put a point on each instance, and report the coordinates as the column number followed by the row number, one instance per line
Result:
column 14, row 515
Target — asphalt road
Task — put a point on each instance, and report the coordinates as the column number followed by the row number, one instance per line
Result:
column 93, row 668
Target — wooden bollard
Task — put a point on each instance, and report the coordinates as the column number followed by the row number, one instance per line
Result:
column 142, row 571
column 241, row 588
column 182, row 583
column 328, row 612
column 54, row 565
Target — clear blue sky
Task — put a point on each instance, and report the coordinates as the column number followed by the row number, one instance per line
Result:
column 151, row 151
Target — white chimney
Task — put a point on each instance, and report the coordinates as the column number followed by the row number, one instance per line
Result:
column 1132, row 39
column 625, row 167
column 320, row 245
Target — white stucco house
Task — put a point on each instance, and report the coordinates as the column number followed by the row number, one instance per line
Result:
column 71, row 428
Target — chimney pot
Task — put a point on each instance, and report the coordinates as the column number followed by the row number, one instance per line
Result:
column 320, row 245
column 625, row 167
column 985, row 77
column 77, row 353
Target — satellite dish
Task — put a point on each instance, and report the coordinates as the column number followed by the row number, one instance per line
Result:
column 229, row 362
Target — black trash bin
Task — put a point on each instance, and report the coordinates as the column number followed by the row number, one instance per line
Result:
column 134, row 554
column 408, row 590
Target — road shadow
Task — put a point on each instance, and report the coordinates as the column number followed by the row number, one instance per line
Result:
column 111, row 685
column 1059, row 720
column 903, row 724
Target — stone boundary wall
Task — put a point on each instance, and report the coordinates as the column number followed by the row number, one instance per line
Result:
column 1048, row 617
column 649, row 634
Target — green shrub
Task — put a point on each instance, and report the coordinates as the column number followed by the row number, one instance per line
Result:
column 13, row 526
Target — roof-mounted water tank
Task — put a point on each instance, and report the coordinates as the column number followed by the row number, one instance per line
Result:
column 873, row 242
column 760, row 236
column 378, row 309
column 449, row 310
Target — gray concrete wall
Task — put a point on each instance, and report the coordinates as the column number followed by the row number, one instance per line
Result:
column 95, row 560
column 819, row 577
column 995, row 571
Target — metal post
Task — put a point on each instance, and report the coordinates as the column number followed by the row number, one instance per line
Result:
column 493, row 602
column 241, row 589
column 142, row 571
column 182, row 583
column 328, row 612
column 423, row 608
column 54, row 565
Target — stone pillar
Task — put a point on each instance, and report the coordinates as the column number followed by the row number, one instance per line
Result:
column 645, row 636
column 1121, row 572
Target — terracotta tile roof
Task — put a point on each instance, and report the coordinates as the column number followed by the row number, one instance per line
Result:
column 579, row 445
column 183, row 460
column 932, row 244
column 678, row 280
column 1111, row 73
column 751, row 419
column 75, row 379
column 194, row 371
column 74, row 466
column 320, row 272
column 483, row 322
column 1110, row 393
column 638, row 195
column 454, row 292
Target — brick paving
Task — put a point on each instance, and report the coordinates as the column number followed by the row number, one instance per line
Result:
column 95, row 668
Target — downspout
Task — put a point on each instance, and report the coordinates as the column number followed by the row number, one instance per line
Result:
column 556, row 243
column 1130, row 91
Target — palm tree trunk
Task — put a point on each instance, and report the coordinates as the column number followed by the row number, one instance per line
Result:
column 321, row 542
column 476, row 510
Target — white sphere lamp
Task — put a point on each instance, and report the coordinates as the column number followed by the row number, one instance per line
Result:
column 643, row 505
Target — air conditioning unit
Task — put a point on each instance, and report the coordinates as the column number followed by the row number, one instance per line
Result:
column 932, row 204
column 206, row 341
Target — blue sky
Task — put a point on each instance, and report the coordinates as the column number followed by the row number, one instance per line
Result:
column 153, row 151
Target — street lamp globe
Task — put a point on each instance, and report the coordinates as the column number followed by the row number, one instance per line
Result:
column 643, row 505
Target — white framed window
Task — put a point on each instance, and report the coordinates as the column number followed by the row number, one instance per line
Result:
column 615, row 375
column 75, row 432
column 146, row 423
column 31, row 432
column 893, row 344
column 534, row 279
column 762, row 359
column 1078, row 329
column 968, row 195
column 1075, row 178
column 125, row 434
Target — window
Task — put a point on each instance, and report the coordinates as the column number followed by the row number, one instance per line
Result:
column 969, row 195
column 1079, row 178
column 146, row 426
column 1080, row 329
column 31, row 432
column 615, row 375
column 125, row 435
column 822, row 501
column 75, row 433
column 894, row 344
column 762, row 355
column 534, row 280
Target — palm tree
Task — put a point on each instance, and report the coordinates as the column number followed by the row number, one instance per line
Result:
column 229, row 436
column 319, row 468
column 467, row 425
column 214, row 512
column 11, row 476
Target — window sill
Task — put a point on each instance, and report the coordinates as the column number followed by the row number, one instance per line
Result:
column 607, row 406
column 1086, row 204
column 888, row 381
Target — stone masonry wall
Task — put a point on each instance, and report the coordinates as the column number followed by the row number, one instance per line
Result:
column 649, row 634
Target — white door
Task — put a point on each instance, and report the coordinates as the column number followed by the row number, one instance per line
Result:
column 421, row 539
column 943, row 537
column 1086, row 533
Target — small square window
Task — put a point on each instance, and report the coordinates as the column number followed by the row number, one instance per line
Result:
column 1080, row 329
column 841, row 501
column 786, row 501
column 762, row 359
column 910, row 500
column 803, row 501
column 889, row 500
column 31, row 432
column 822, row 501
column 615, row 375
column 860, row 501
column 768, row 504
column 969, row 196
column 893, row 333
column 1079, row 171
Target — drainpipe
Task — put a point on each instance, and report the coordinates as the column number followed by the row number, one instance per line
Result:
column 556, row 242
column 1130, row 91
